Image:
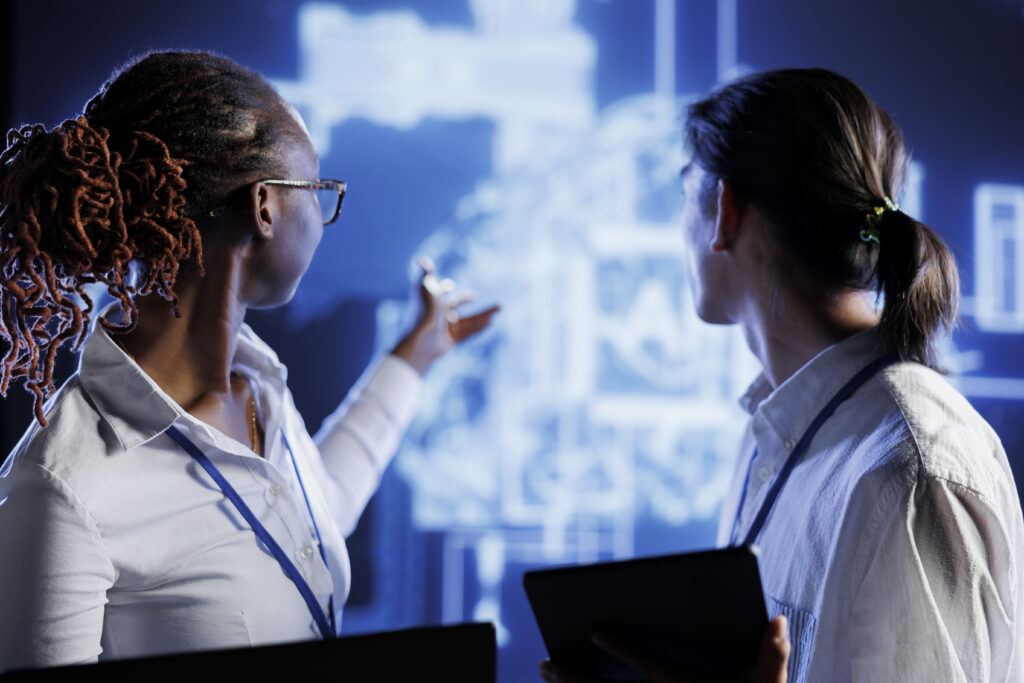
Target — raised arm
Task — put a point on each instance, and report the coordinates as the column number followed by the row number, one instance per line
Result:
column 358, row 440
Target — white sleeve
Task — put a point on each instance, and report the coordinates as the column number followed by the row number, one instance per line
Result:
column 938, row 601
column 358, row 440
column 54, row 573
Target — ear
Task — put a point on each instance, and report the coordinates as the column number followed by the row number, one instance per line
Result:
column 728, row 219
column 263, row 210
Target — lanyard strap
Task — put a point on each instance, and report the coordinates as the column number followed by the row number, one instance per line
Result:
column 312, row 518
column 798, row 451
column 323, row 623
column 734, row 536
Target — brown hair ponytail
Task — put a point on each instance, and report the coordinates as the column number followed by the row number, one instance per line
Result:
column 918, row 277
column 817, row 157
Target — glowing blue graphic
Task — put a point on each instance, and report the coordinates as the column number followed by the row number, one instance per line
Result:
column 998, row 302
column 526, row 66
column 912, row 201
column 600, row 398
column 999, row 257
column 599, row 403
column 599, row 376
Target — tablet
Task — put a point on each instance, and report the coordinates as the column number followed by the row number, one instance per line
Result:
column 698, row 609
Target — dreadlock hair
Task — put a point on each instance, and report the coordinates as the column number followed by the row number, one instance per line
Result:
column 821, row 161
column 168, row 138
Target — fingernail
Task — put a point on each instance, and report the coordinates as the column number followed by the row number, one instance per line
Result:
column 783, row 630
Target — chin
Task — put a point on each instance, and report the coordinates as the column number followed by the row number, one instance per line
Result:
column 716, row 320
column 712, row 315
column 274, row 299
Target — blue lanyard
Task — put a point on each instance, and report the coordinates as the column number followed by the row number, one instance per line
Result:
column 798, row 451
column 312, row 518
column 743, row 498
column 325, row 625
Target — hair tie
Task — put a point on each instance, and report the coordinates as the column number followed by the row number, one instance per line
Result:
column 871, row 233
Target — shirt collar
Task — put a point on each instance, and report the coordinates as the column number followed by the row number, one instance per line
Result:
column 755, row 393
column 132, row 404
column 253, row 356
column 790, row 408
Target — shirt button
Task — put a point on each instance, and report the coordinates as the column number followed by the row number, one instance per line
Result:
column 272, row 493
column 790, row 444
column 306, row 553
column 764, row 474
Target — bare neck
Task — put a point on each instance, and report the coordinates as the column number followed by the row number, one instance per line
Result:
column 785, row 332
column 190, row 357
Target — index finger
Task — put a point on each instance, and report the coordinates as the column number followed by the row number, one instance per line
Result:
column 426, row 263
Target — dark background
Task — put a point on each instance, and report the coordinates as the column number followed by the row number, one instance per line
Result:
column 951, row 72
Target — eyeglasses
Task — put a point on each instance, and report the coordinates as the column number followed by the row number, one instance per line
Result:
column 329, row 194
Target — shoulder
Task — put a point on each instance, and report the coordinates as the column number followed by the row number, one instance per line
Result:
column 938, row 489
column 948, row 439
column 907, row 433
column 930, row 461
column 71, row 450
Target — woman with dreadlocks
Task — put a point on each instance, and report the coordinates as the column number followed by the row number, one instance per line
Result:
column 169, row 497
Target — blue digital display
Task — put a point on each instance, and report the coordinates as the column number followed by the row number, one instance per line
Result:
column 600, row 406
column 532, row 148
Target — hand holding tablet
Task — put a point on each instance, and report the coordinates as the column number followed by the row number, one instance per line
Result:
column 694, row 616
column 771, row 666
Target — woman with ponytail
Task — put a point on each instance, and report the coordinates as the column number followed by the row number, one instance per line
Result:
column 890, row 531
column 889, row 525
column 168, row 496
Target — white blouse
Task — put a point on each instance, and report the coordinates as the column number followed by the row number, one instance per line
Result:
column 896, row 547
column 115, row 543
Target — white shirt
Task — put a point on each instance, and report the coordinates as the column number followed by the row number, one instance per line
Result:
column 896, row 548
column 115, row 543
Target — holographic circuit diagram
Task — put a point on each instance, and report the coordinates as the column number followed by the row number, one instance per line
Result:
column 600, row 399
